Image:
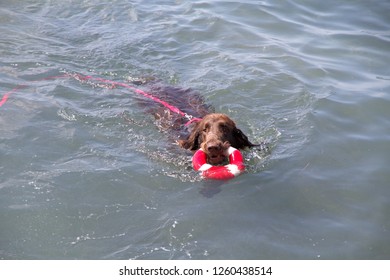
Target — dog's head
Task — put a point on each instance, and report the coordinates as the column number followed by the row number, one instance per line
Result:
column 214, row 134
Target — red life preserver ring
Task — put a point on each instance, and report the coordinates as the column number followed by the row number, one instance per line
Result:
column 234, row 168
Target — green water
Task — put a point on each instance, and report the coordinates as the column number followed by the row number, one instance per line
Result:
column 86, row 174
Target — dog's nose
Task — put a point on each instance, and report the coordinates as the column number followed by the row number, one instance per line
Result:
column 214, row 147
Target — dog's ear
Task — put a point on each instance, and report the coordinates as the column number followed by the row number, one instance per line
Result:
column 241, row 140
column 193, row 141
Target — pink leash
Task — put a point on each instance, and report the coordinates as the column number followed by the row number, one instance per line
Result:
column 79, row 77
column 7, row 94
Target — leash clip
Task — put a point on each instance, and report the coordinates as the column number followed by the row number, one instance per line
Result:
column 191, row 119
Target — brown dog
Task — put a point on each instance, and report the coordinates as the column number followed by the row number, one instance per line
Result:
column 214, row 134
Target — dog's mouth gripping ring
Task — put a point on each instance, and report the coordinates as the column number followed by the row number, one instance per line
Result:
column 229, row 171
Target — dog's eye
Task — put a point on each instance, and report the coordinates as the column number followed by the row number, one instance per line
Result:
column 223, row 127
